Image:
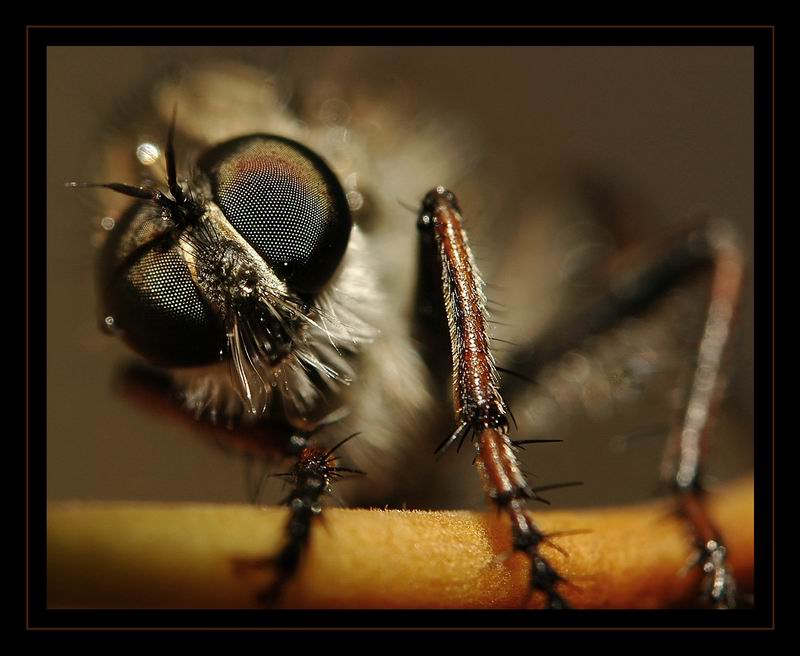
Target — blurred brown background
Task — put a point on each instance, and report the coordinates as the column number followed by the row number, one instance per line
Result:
column 672, row 125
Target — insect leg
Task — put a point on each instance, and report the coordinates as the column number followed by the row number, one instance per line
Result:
column 711, row 248
column 480, row 410
column 629, row 294
column 311, row 476
column 687, row 446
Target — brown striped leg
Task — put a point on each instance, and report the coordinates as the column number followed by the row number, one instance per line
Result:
column 481, row 413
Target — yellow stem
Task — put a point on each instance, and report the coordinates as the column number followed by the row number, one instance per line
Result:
column 148, row 555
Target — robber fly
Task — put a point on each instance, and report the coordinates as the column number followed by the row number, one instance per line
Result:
column 260, row 264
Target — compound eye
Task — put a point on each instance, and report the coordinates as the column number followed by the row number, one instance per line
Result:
column 286, row 202
column 147, row 289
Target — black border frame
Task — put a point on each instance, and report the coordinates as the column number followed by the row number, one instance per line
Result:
column 763, row 39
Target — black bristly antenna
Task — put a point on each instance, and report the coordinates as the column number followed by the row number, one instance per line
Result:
column 172, row 177
column 143, row 193
column 181, row 208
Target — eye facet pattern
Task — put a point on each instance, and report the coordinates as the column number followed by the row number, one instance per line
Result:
column 148, row 290
column 286, row 202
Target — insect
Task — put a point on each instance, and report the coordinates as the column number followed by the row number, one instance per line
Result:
column 324, row 354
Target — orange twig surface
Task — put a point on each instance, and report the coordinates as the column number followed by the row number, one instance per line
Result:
column 146, row 555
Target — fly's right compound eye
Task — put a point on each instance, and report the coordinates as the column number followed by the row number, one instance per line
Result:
column 286, row 202
column 147, row 289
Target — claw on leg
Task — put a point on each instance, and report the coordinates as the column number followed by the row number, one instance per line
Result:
column 686, row 450
column 311, row 477
column 718, row 588
column 543, row 577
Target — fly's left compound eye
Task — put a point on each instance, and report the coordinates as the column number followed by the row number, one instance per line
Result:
column 286, row 202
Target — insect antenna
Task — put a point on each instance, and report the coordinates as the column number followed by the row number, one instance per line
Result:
column 143, row 193
column 182, row 209
column 172, row 177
